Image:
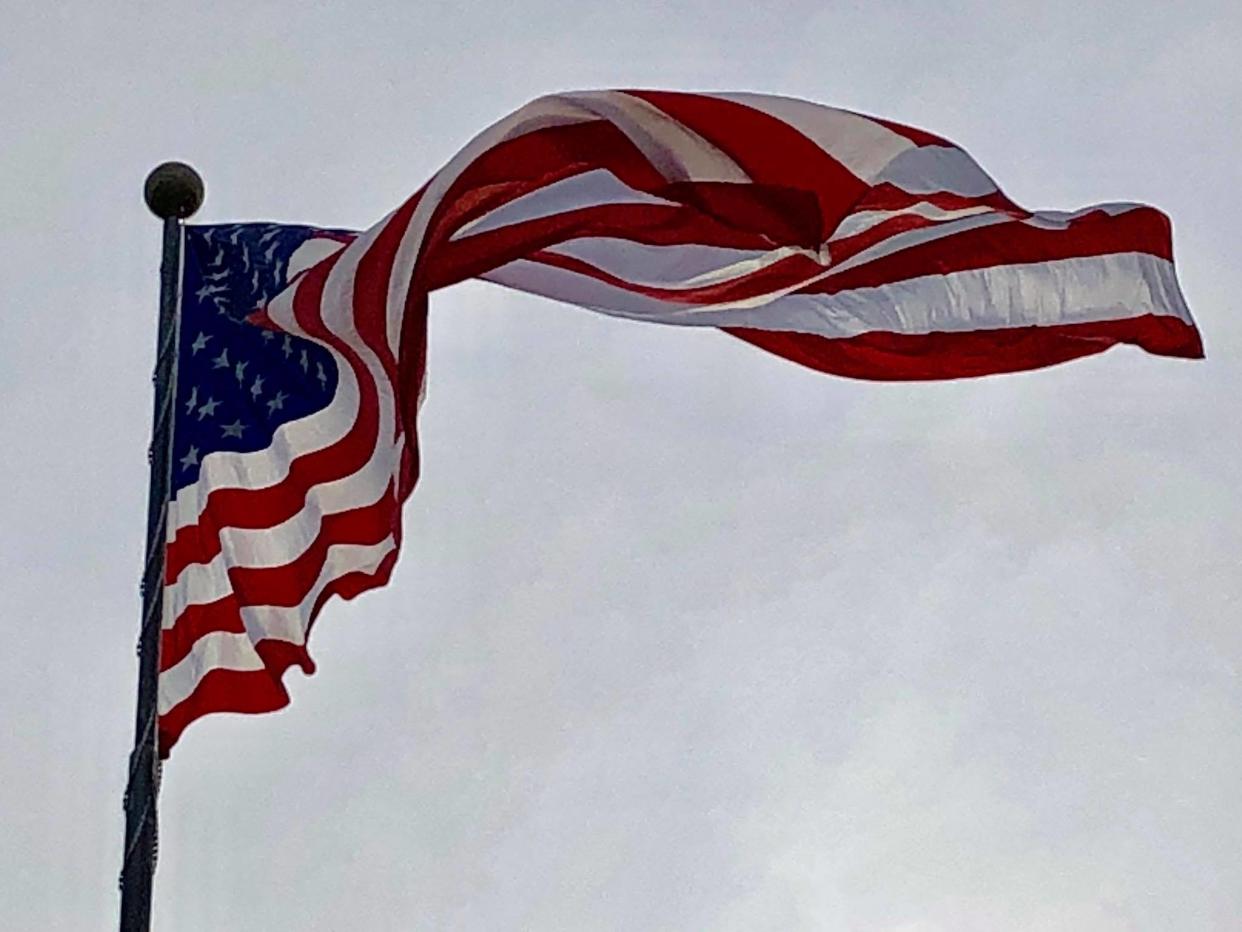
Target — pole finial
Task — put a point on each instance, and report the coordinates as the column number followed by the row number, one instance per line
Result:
column 173, row 189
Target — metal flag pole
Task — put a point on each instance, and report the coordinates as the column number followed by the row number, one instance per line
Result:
column 174, row 192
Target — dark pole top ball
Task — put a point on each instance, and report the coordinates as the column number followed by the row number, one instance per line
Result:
column 173, row 189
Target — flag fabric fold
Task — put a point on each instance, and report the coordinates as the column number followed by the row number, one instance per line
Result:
column 847, row 243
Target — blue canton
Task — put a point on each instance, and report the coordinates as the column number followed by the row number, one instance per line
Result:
column 236, row 382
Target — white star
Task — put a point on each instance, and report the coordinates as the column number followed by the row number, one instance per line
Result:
column 268, row 336
column 199, row 343
column 321, row 375
column 304, row 361
column 269, row 234
column 277, row 403
column 216, row 276
column 239, row 371
column 208, row 408
column 277, row 269
column 193, row 401
column 271, row 251
column 233, row 430
column 257, row 388
column 221, row 361
column 287, row 347
column 208, row 290
column 218, row 258
column 190, row 459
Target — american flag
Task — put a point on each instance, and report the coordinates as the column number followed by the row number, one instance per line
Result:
column 237, row 390
column 847, row 243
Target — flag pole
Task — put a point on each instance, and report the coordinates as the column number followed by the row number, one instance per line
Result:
column 173, row 192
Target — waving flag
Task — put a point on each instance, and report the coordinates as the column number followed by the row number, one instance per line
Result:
column 847, row 243
column 239, row 388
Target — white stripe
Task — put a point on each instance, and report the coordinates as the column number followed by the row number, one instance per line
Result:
column 589, row 189
column 864, row 220
column 682, row 265
column 219, row 650
column 281, row 544
column 910, row 238
column 541, row 113
column 310, row 253
column 288, row 623
column 1047, row 219
column 924, row 169
column 222, row 650
column 263, row 468
column 677, row 152
column 685, row 313
column 1063, row 291
column 856, row 141
column 536, row 114
column 197, row 584
column 1060, row 219
column 260, row 469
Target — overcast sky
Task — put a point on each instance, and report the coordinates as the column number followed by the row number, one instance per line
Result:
column 683, row 637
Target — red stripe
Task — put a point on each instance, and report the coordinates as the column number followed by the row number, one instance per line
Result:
column 791, row 271
column 888, row 196
column 772, row 153
column 785, row 273
column 285, row 585
column 848, row 246
column 258, row 691
column 781, row 216
column 1144, row 230
column 353, row 584
column 883, row 356
column 177, row 641
column 369, row 304
column 920, row 137
column 526, row 163
column 262, row 691
column 410, row 381
column 259, row 508
column 252, row 691
column 648, row 224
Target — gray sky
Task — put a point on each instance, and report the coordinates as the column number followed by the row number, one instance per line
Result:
column 683, row 637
